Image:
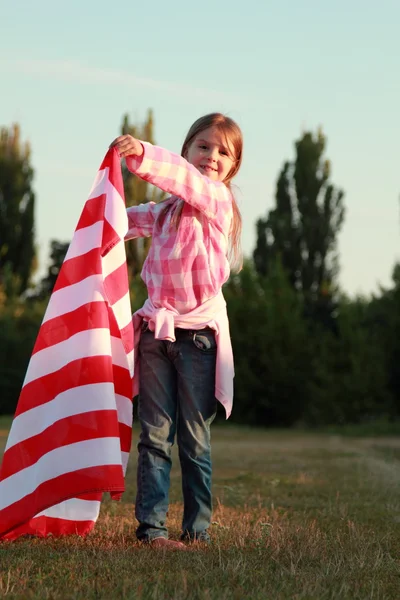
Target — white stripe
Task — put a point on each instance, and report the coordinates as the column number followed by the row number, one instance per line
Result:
column 125, row 458
column 67, row 299
column 113, row 259
column 82, row 455
column 115, row 211
column 130, row 359
column 73, row 509
column 119, row 357
column 85, row 239
column 75, row 401
column 123, row 312
column 91, row 342
column 124, row 409
column 99, row 184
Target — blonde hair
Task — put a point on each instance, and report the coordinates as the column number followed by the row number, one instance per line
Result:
column 233, row 135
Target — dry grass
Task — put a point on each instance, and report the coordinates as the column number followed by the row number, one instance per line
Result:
column 296, row 515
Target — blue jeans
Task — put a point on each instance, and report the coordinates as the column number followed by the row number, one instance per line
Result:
column 176, row 397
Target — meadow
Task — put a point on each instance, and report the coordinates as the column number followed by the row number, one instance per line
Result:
column 297, row 515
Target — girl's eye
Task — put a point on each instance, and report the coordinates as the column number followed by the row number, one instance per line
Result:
column 223, row 152
column 203, row 147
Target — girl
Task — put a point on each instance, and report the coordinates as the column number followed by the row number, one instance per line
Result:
column 184, row 353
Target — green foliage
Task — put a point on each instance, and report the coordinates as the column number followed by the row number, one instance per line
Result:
column 289, row 371
column 270, row 343
column 384, row 319
column 19, row 326
column 17, row 202
column 350, row 383
column 302, row 230
column 303, row 353
column 58, row 250
column 348, row 372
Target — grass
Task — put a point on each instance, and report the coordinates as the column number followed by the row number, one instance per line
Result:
column 373, row 428
column 297, row 515
column 5, row 424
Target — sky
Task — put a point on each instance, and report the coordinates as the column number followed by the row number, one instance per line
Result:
column 69, row 71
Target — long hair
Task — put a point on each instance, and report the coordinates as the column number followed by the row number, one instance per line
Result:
column 234, row 138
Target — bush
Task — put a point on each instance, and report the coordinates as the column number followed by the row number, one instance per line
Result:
column 19, row 326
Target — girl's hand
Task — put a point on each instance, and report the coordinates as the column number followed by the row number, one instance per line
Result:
column 127, row 145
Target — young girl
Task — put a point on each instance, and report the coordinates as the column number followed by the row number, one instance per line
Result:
column 185, row 357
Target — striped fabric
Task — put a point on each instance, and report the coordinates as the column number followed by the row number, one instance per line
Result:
column 71, row 434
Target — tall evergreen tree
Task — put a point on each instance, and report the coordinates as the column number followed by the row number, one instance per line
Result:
column 302, row 229
column 17, row 203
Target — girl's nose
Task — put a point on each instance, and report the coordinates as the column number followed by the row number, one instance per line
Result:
column 213, row 154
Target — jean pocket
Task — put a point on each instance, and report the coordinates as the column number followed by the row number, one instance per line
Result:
column 204, row 340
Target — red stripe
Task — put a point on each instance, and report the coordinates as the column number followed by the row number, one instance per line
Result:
column 93, row 212
column 127, row 336
column 113, row 162
column 115, row 284
column 93, row 315
column 108, row 159
column 70, row 430
column 110, row 238
column 123, row 383
column 106, row 478
column 79, row 268
column 125, row 433
column 90, row 496
column 45, row 526
column 93, row 369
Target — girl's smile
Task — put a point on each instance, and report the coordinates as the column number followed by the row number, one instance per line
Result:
column 212, row 154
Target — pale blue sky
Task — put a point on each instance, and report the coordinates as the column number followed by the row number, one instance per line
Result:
column 70, row 70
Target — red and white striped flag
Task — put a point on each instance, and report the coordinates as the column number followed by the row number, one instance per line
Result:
column 70, row 438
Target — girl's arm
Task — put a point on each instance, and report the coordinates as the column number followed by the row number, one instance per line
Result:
column 173, row 174
column 141, row 219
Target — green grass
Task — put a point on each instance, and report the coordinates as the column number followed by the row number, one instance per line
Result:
column 297, row 515
column 5, row 423
column 376, row 428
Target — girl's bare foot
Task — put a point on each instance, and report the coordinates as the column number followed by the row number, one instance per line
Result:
column 162, row 542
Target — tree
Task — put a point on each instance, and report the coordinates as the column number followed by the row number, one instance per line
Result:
column 19, row 326
column 384, row 320
column 350, row 381
column 138, row 191
column 302, row 229
column 270, row 343
column 58, row 250
column 17, row 203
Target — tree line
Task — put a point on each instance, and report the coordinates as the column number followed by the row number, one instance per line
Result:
column 305, row 352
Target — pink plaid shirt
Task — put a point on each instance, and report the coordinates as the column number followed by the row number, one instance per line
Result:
column 184, row 267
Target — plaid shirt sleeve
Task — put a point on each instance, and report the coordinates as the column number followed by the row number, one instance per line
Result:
column 141, row 220
column 173, row 174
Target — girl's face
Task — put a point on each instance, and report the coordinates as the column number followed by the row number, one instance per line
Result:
column 212, row 154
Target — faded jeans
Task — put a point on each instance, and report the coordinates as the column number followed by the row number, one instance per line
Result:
column 176, row 397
